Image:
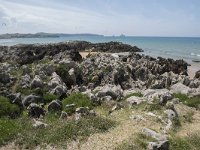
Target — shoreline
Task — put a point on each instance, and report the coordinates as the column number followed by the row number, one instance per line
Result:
column 193, row 69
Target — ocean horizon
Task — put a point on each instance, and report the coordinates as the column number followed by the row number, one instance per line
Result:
column 187, row 48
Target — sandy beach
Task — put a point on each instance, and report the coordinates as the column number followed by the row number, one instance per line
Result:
column 193, row 69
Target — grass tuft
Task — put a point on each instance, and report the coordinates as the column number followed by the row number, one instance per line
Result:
column 191, row 142
column 138, row 142
column 191, row 102
column 9, row 129
column 8, row 109
column 79, row 99
column 48, row 97
column 58, row 133
column 188, row 117
column 154, row 106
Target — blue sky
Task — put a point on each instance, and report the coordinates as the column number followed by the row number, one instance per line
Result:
column 108, row 17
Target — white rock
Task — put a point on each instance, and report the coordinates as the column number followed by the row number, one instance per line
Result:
column 39, row 124
column 181, row 88
column 134, row 100
column 155, row 135
column 55, row 80
column 36, row 82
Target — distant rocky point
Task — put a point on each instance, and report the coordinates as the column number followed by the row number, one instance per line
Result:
column 28, row 53
column 40, row 35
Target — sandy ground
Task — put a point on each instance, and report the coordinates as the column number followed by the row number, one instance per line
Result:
column 84, row 54
column 193, row 69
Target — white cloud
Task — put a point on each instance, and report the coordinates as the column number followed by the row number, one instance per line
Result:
column 21, row 17
column 48, row 19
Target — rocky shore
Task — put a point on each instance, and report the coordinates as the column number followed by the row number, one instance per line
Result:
column 40, row 79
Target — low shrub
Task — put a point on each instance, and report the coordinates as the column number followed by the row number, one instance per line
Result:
column 62, row 70
column 191, row 102
column 48, row 97
column 8, row 109
column 24, row 91
column 79, row 99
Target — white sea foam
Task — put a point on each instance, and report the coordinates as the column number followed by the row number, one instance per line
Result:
column 192, row 54
column 6, row 41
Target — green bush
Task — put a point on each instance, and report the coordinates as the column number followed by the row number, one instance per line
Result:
column 24, row 91
column 8, row 109
column 62, row 70
column 79, row 99
column 191, row 102
column 48, row 97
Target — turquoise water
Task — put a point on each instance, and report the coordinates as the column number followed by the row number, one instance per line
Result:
column 169, row 47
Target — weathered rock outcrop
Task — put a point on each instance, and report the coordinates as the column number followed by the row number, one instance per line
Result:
column 26, row 54
column 197, row 75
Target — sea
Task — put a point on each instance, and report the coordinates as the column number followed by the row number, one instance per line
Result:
column 187, row 48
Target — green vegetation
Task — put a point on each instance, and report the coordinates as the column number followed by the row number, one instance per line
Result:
column 191, row 102
column 79, row 99
column 9, row 129
column 44, row 61
column 24, row 91
column 138, row 142
column 154, row 106
column 62, row 70
column 58, row 133
column 48, row 97
column 190, row 142
column 8, row 109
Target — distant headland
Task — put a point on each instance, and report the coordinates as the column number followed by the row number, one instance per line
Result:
column 41, row 35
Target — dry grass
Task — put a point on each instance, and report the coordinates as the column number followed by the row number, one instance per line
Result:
column 188, row 127
column 128, row 128
column 125, row 129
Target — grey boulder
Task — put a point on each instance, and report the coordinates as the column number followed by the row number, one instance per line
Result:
column 55, row 105
column 32, row 99
column 134, row 100
column 36, row 82
column 160, row 145
column 35, row 111
column 180, row 88
column 111, row 90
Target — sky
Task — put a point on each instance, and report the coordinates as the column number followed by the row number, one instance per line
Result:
column 106, row 17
